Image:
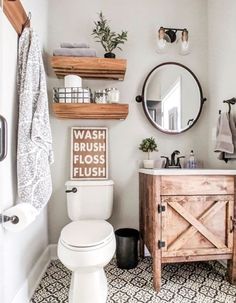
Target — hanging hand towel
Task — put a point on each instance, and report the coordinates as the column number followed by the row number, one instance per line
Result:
column 224, row 141
column 232, row 124
column 34, row 150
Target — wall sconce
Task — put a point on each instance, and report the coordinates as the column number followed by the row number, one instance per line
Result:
column 169, row 35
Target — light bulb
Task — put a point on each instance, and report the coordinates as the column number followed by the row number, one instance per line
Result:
column 184, row 43
column 161, row 42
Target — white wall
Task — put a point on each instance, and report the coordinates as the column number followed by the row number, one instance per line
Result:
column 141, row 18
column 21, row 250
column 74, row 22
column 1, row 206
column 221, row 65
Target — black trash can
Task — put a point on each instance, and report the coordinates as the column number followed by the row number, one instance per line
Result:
column 127, row 248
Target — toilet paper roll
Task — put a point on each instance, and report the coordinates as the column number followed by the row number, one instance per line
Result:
column 72, row 81
column 26, row 214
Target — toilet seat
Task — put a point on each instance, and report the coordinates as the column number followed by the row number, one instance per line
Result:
column 86, row 234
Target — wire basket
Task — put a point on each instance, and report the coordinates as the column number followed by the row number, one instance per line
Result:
column 72, row 95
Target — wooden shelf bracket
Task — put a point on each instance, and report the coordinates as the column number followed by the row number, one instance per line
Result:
column 16, row 14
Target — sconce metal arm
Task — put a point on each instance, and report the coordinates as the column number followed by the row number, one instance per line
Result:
column 174, row 29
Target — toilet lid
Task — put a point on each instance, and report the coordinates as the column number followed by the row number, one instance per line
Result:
column 86, row 233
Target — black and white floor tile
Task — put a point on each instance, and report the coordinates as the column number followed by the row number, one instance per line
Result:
column 204, row 282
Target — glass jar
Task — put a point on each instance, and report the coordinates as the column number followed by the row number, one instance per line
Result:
column 100, row 96
column 113, row 95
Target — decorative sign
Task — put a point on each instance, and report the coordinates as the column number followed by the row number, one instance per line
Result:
column 89, row 154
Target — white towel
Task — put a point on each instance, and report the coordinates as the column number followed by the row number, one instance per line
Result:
column 75, row 52
column 74, row 45
column 232, row 124
column 34, row 150
column 224, row 141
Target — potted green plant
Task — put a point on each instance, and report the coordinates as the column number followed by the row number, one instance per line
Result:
column 109, row 39
column 148, row 146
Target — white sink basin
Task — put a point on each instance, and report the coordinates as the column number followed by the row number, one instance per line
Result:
column 183, row 171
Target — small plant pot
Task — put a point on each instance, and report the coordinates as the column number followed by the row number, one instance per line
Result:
column 148, row 163
column 110, row 55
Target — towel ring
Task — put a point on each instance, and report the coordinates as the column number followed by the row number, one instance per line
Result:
column 230, row 102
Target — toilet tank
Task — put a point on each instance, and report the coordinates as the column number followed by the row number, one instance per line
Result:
column 93, row 200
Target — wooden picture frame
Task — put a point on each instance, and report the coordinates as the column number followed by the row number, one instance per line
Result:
column 89, row 153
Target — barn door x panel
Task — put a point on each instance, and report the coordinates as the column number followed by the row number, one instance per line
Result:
column 197, row 225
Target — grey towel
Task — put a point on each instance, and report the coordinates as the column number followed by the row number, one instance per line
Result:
column 75, row 52
column 74, row 45
column 232, row 125
column 34, row 148
column 224, row 141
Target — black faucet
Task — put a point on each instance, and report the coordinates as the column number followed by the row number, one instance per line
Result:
column 167, row 162
column 173, row 162
column 178, row 161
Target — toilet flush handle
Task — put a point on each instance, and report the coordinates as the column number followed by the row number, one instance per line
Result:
column 73, row 190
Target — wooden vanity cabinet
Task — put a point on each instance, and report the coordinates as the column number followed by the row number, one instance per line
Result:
column 187, row 218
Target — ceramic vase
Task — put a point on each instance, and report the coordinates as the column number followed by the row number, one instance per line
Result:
column 110, row 55
column 148, row 163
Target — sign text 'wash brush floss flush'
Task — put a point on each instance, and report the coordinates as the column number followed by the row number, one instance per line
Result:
column 89, row 153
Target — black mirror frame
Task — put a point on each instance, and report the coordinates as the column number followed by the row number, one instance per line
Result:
column 140, row 99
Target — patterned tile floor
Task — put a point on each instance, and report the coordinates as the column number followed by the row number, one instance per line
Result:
column 185, row 283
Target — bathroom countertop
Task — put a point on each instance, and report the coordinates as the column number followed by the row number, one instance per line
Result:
column 188, row 172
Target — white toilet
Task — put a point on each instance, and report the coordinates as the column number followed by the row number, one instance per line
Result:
column 88, row 243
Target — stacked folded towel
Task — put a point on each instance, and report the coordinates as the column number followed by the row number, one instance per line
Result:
column 74, row 50
column 74, row 45
column 226, row 137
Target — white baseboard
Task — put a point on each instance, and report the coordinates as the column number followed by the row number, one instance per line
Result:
column 223, row 262
column 27, row 289
column 146, row 252
column 53, row 251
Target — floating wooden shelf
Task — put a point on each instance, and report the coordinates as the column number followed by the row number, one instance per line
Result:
column 90, row 111
column 89, row 67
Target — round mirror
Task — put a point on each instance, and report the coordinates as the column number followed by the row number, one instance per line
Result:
column 172, row 98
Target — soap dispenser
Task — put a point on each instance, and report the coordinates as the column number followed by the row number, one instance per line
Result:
column 192, row 161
